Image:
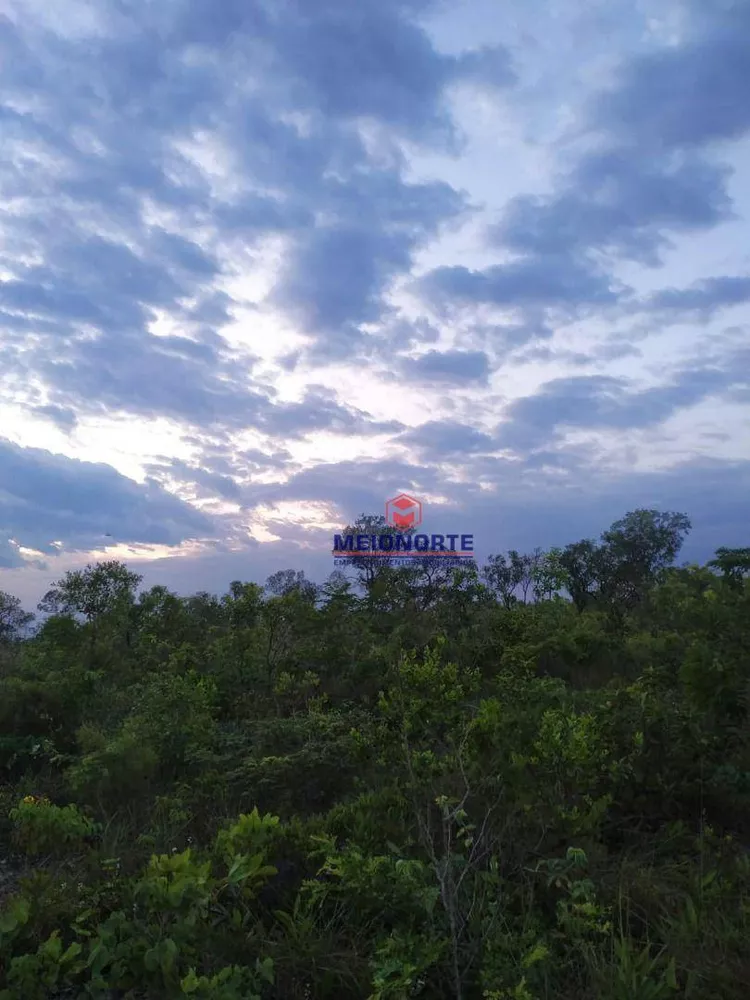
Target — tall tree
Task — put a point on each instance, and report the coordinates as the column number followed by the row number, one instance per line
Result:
column 13, row 619
column 547, row 574
column 502, row 576
column 92, row 592
column 581, row 565
column 369, row 568
column 639, row 547
column 289, row 581
column 523, row 570
column 733, row 564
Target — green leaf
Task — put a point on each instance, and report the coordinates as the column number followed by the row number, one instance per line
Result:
column 151, row 959
column 73, row 951
column 265, row 970
column 190, row 983
column 168, row 952
column 671, row 975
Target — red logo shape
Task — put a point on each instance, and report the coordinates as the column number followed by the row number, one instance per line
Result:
column 403, row 511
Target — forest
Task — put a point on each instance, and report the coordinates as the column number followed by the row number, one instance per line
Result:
column 524, row 780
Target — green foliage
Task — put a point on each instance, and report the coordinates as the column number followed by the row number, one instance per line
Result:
column 40, row 827
column 521, row 783
column 13, row 619
column 251, row 832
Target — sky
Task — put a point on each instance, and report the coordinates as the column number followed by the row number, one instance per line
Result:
column 266, row 263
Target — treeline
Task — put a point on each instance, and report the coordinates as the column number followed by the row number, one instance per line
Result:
column 527, row 780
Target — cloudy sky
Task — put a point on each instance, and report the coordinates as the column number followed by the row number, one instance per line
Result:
column 265, row 263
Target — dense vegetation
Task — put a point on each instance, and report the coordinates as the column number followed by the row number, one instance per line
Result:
column 526, row 781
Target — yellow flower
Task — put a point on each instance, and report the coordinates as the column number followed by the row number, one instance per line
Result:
column 29, row 800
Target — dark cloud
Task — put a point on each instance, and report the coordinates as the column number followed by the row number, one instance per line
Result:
column 551, row 498
column 441, row 438
column 619, row 202
column 63, row 418
column 644, row 177
column 98, row 154
column 46, row 498
column 534, row 506
column 447, row 367
column 221, row 471
column 701, row 300
column 490, row 65
column 528, row 282
column 334, row 279
column 686, row 95
column 366, row 60
column 320, row 410
column 148, row 375
column 612, row 349
column 146, row 162
column 354, row 486
column 543, row 352
column 209, row 484
column 370, row 60
column 600, row 402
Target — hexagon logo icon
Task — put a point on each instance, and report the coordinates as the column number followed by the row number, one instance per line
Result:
column 403, row 511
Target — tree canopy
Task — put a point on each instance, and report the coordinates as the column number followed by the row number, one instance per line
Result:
column 528, row 779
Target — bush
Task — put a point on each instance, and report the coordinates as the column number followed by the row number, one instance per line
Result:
column 40, row 827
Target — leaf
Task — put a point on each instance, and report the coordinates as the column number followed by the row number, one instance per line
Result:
column 73, row 951
column 190, row 983
column 537, row 954
column 168, row 956
column 670, row 975
column 265, row 970
column 151, row 959
column 708, row 878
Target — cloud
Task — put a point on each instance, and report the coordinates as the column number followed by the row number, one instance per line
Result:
column 335, row 278
column 63, row 418
column 135, row 372
column 209, row 484
column 643, row 177
column 533, row 507
column 118, row 219
column 620, row 203
column 530, row 282
column 369, row 60
column 688, row 95
column 221, row 472
column 46, row 498
column 701, row 300
column 320, row 410
column 440, row 438
column 184, row 183
column 447, row 367
column 601, row 401
column 489, row 65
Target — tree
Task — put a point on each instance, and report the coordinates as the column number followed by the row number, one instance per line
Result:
column 506, row 576
column 523, row 570
column 638, row 549
column 734, row 565
column 502, row 577
column 92, row 592
column 369, row 568
column 547, row 574
column 243, row 603
column 580, row 563
column 336, row 585
column 289, row 581
column 13, row 619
